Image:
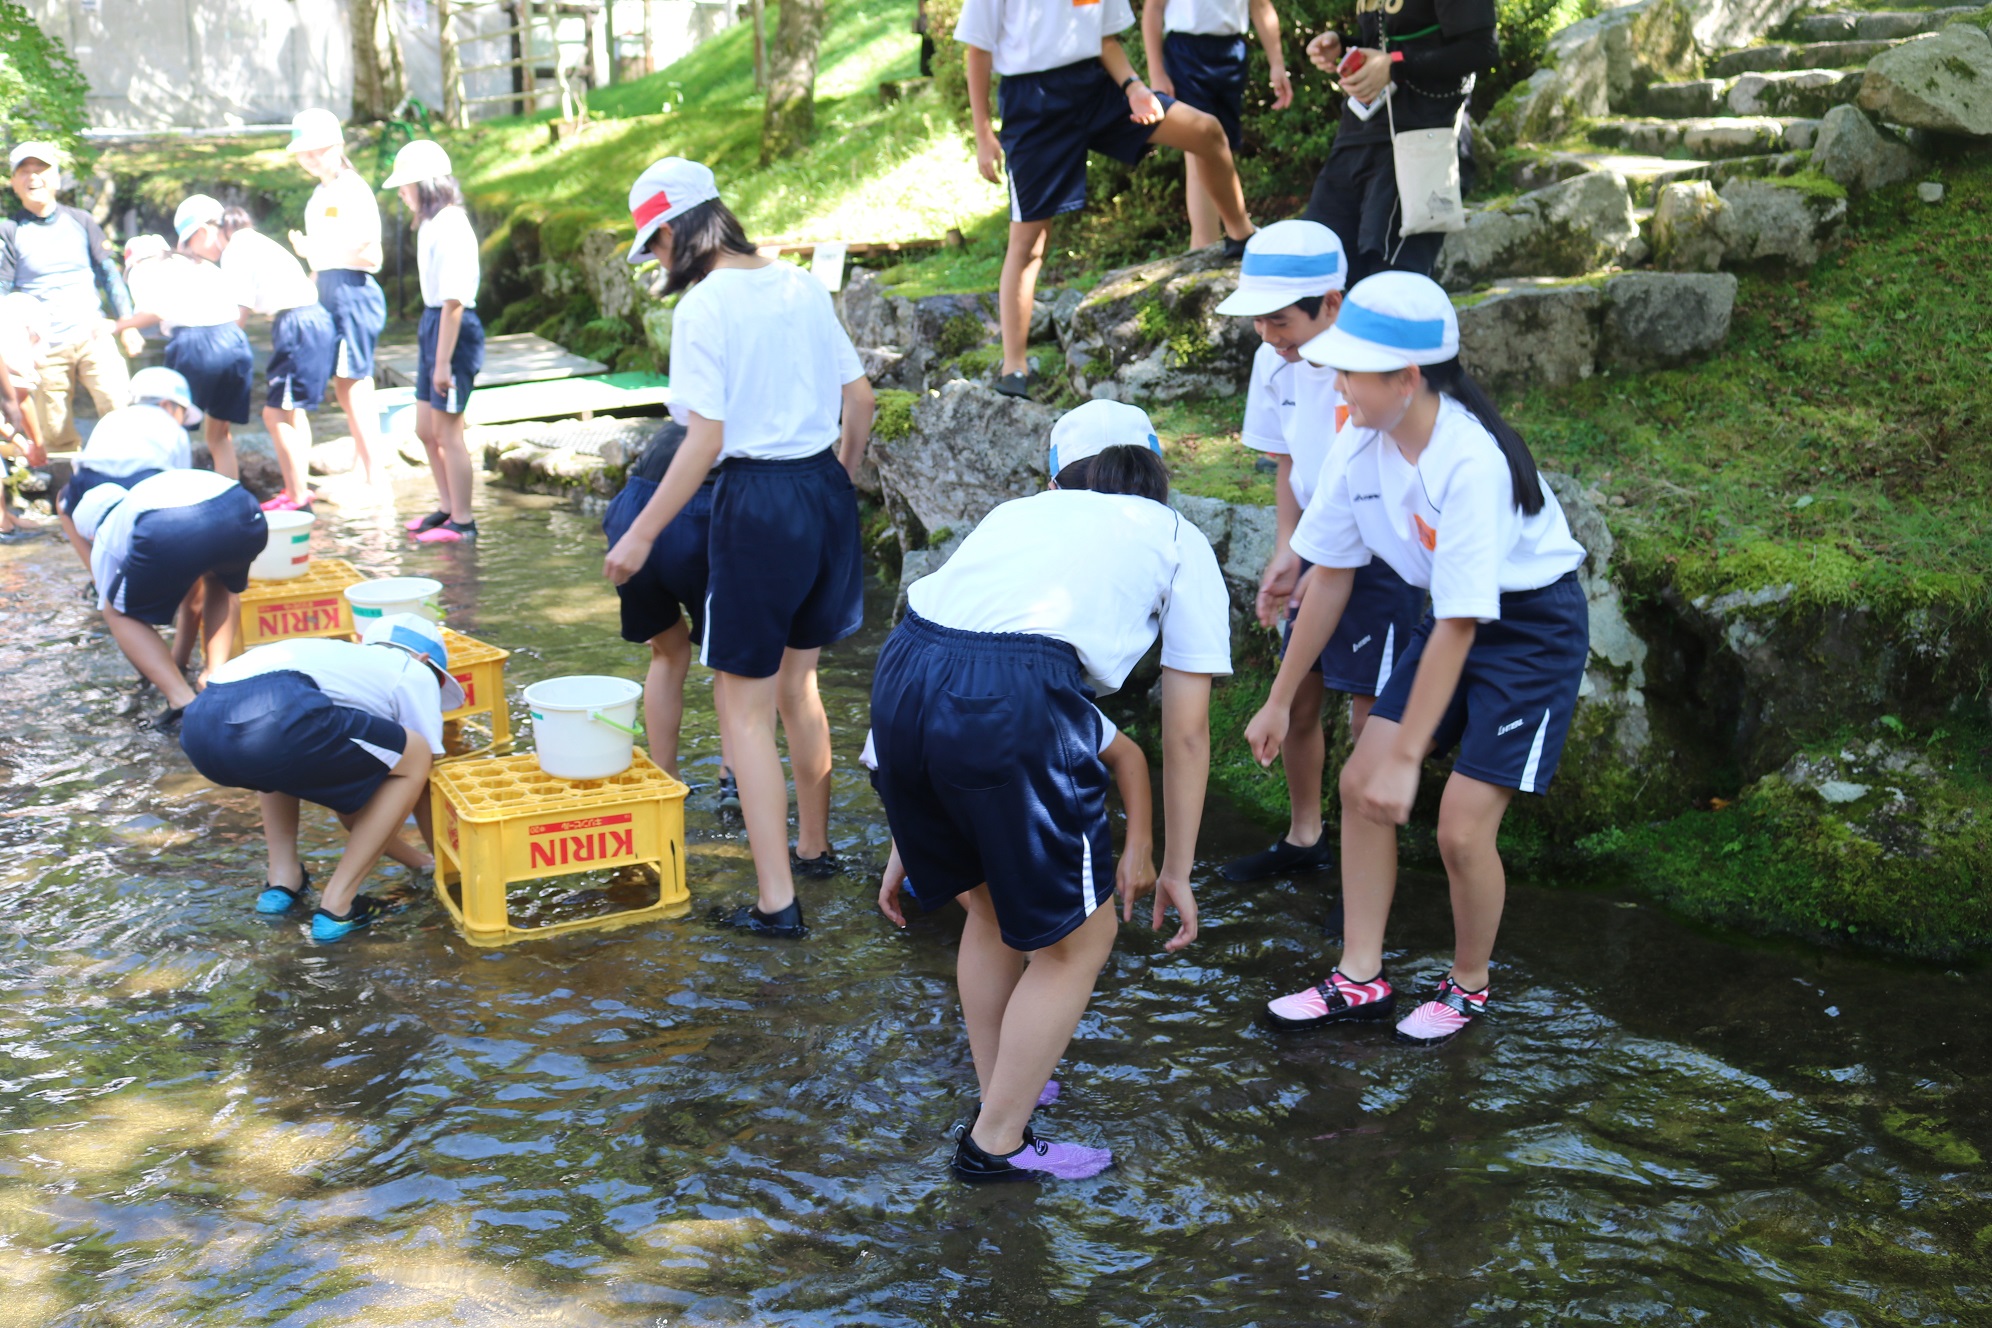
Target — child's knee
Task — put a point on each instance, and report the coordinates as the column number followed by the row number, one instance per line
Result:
column 1461, row 839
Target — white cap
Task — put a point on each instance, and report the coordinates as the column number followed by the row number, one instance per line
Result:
column 1285, row 262
column 418, row 636
column 40, row 149
column 95, row 506
column 158, row 383
column 143, row 246
column 1088, row 430
column 1388, row 322
column 418, row 160
column 195, row 211
column 315, row 129
column 664, row 190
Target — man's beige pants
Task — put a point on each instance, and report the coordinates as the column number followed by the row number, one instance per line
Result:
column 98, row 365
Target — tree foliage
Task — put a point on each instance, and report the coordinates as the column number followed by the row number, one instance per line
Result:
column 42, row 90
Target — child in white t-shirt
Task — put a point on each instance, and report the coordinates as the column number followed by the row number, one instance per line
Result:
column 770, row 390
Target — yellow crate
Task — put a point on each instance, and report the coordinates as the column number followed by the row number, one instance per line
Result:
column 310, row 605
column 480, row 668
column 502, row 820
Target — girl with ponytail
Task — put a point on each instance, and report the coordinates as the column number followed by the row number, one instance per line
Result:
column 1430, row 478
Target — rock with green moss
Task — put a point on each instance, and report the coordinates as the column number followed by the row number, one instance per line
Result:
column 1859, row 157
column 1153, row 333
column 1564, row 230
column 1657, row 320
column 1941, row 82
column 1528, row 331
column 1787, row 221
column 965, row 449
column 1685, row 234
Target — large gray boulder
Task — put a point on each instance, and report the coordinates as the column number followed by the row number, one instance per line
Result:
column 1615, row 674
column 1153, row 333
column 1531, row 331
column 1655, row 320
column 1794, row 92
column 968, row 450
column 1941, row 82
column 1686, row 236
column 1565, row 230
column 604, row 262
column 1854, row 154
column 1779, row 221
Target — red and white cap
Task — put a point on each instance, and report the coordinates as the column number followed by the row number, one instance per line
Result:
column 664, row 190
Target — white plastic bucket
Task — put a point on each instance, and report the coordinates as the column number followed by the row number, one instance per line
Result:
column 288, row 552
column 395, row 594
column 584, row 727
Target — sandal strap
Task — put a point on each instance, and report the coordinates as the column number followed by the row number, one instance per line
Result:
column 1454, row 997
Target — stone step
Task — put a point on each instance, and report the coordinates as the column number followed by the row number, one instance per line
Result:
column 1646, row 176
column 1776, row 56
column 1807, row 92
column 1887, row 25
column 1706, row 138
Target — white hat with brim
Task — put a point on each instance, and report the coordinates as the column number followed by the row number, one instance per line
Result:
column 95, row 505
column 1286, row 262
column 1388, row 322
column 1086, row 431
column 194, row 212
column 39, row 149
column 314, row 129
column 417, row 161
column 418, row 636
column 158, row 383
column 666, row 189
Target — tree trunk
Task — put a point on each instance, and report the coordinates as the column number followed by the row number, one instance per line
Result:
column 790, row 120
column 380, row 75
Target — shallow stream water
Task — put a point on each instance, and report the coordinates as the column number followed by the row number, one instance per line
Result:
column 205, row 1119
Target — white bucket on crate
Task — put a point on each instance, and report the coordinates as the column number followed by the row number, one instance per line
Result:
column 288, row 552
column 395, row 594
column 584, row 727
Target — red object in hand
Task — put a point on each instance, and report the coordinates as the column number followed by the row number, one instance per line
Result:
column 1350, row 64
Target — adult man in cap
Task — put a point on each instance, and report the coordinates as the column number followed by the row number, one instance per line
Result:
column 58, row 254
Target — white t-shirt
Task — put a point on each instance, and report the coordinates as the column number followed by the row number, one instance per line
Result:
column 1102, row 572
column 761, row 350
column 868, row 758
column 1224, row 18
column 135, row 438
column 185, row 292
column 268, row 277
column 110, row 535
column 446, row 258
column 1448, row 524
column 1028, row 36
column 1293, row 409
column 341, row 216
column 381, row 680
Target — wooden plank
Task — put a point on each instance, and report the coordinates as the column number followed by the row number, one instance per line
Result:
column 520, row 357
column 856, row 249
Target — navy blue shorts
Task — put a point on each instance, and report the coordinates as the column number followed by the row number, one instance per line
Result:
column 219, row 367
column 303, row 346
column 465, row 359
column 173, row 547
column 989, row 768
column 359, row 312
column 786, row 569
column 1051, row 120
column 1208, row 70
column 672, row 581
column 277, row 733
column 1517, row 693
column 84, row 479
column 1384, row 611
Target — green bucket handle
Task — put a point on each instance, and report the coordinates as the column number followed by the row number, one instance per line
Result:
column 601, row 718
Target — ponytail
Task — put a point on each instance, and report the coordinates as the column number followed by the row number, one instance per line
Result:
column 1451, row 378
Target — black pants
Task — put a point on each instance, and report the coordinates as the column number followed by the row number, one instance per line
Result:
column 1355, row 196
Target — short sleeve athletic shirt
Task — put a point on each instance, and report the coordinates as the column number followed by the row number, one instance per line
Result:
column 341, row 216
column 135, row 438
column 1418, row 101
column 384, row 681
column 1031, row 36
column 446, row 259
column 1293, row 410
column 268, row 278
column 1217, row 18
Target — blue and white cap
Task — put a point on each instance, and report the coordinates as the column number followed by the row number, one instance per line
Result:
column 194, row 212
column 1088, row 430
column 418, row 636
column 1389, row 322
column 1284, row 262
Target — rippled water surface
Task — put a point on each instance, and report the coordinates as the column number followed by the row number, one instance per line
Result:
column 204, row 1119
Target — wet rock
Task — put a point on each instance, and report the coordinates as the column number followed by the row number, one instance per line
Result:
column 257, row 470
column 1656, row 320
column 1779, row 221
column 1614, row 686
column 1529, row 331
column 1565, row 230
column 1859, row 157
column 334, row 456
column 1794, row 92
column 969, row 449
column 1686, row 237
column 1941, row 83
column 1153, row 333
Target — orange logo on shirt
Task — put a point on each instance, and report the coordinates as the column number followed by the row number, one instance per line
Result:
column 1341, row 416
column 331, row 212
column 1427, row 535
column 1081, row 4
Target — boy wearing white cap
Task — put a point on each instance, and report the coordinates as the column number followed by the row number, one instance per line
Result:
column 199, row 308
column 131, row 444
column 341, row 243
column 1069, row 89
column 987, row 744
column 1432, row 480
column 450, row 340
column 355, row 728
column 1290, row 286
column 770, row 391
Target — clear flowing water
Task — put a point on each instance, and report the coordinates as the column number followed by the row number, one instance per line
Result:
column 204, row 1119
